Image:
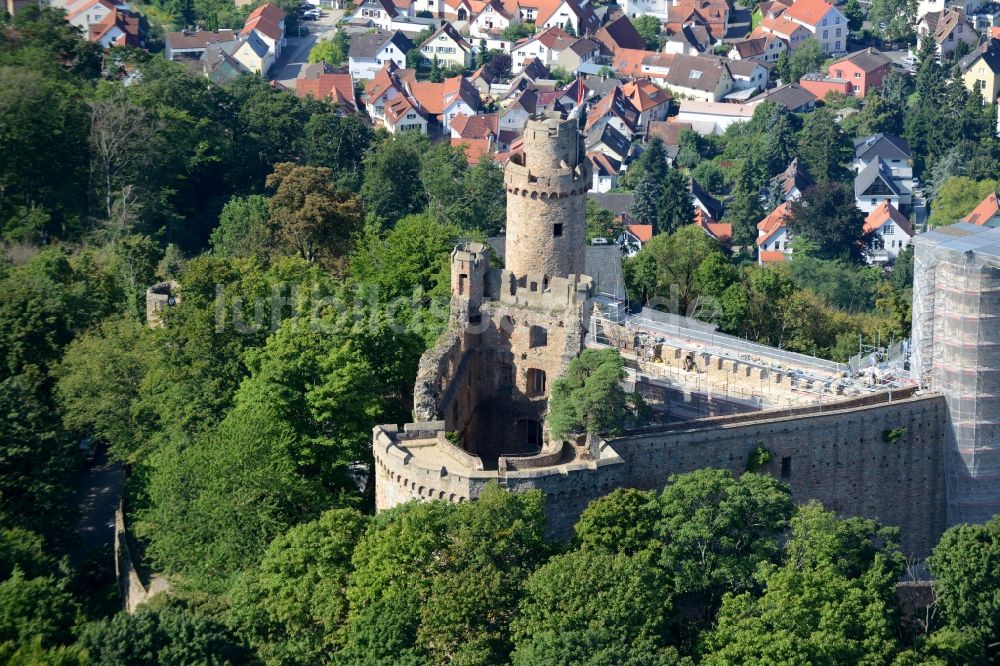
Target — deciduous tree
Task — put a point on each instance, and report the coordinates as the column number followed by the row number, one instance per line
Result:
column 392, row 187
column 340, row 143
column 311, row 218
column 831, row 600
column 100, row 376
column 291, row 606
column 594, row 607
column 808, row 57
column 957, row 197
column 717, row 530
column 167, row 636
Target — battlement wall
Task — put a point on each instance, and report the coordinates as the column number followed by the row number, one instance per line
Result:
column 536, row 290
column 552, row 183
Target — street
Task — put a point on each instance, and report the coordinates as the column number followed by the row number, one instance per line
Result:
column 296, row 51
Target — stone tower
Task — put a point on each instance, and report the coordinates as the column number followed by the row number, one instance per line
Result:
column 547, row 187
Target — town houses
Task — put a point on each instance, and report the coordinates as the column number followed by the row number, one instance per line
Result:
column 473, row 72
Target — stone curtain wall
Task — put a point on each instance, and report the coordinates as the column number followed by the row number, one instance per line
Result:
column 842, row 459
column 882, row 461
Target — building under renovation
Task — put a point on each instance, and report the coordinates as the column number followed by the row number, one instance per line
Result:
column 956, row 352
column 867, row 438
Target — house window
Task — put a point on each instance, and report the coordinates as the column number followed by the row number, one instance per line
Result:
column 857, row 75
column 557, row 230
column 838, row 32
column 826, row 33
column 887, row 229
column 786, row 467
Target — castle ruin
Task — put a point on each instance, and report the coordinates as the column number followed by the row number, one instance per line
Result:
column 864, row 441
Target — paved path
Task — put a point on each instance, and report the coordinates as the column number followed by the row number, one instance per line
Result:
column 98, row 496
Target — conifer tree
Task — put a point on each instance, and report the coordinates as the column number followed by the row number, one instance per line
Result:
column 645, row 202
column 744, row 210
column 823, row 147
column 674, row 209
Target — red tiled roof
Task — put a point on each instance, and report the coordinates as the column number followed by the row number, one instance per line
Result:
column 603, row 162
column 554, row 38
column 779, row 25
column 644, row 232
column 620, row 33
column 474, row 148
column 721, row 231
column 79, row 9
column 436, row 97
column 668, row 132
column 808, row 11
column 629, row 62
column 883, row 212
column 125, row 21
column 198, row 40
column 383, row 80
column 338, row 88
column 266, row 20
column 772, row 223
column 644, row 94
column 617, row 104
column 771, row 256
column 475, row 127
column 398, row 107
column 986, row 210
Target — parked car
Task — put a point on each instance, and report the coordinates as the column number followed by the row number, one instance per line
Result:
column 599, row 241
column 309, row 16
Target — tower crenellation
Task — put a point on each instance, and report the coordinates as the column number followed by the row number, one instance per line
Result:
column 547, row 187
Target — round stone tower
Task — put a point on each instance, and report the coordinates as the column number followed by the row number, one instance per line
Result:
column 547, row 187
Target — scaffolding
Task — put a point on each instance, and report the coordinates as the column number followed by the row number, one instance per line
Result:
column 956, row 351
column 807, row 380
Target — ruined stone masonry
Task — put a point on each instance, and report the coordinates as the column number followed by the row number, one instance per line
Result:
column 481, row 392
